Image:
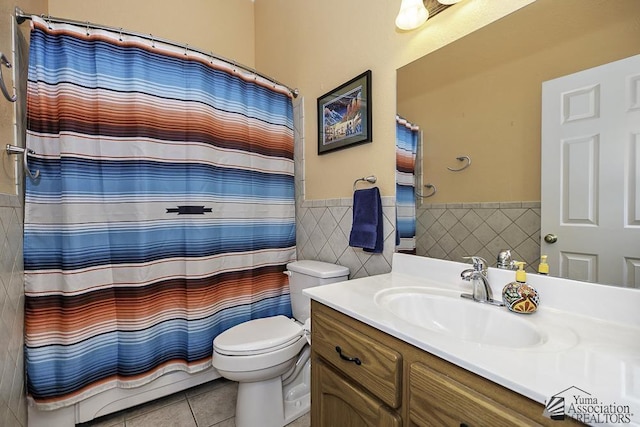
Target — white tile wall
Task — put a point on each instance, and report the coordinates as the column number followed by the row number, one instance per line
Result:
column 13, row 409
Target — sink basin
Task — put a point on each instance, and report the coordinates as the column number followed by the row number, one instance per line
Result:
column 444, row 312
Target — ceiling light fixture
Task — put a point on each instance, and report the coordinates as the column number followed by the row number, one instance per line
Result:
column 414, row 13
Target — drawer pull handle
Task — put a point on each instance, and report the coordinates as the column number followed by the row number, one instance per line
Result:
column 347, row 358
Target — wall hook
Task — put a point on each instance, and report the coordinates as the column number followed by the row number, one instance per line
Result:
column 12, row 149
column 432, row 188
column 4, row 61
column 461, row 159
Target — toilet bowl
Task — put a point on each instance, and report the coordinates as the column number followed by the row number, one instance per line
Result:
column 278, row 340
column 269, row 357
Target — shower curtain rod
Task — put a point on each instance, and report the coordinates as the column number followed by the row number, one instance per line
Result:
column 22, row 16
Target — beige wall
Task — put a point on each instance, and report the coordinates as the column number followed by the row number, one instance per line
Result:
column 481, row 96
column 312, row 45
column 225, row 27
column 318, row 45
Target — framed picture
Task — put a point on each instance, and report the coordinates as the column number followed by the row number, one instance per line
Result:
column 344, row 115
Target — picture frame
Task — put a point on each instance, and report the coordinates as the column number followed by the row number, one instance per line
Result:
column 344, row 115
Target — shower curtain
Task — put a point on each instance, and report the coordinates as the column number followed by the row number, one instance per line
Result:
column 163, row 215
column 407, row 137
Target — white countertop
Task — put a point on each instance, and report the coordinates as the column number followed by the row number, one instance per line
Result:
column 591, row 345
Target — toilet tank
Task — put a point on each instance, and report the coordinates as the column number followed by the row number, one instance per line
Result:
column 307, row 274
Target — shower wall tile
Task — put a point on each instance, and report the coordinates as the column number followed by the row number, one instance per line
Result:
column 13, row 409
column 451, row 231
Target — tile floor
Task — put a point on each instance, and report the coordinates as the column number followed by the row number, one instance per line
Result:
column 209, row 405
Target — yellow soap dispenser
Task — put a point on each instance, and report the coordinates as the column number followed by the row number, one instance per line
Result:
column 543, row 267
column 519, row 296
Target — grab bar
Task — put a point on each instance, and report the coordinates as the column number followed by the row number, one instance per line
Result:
column 370, row 179
column 4, row 61
column 12, row 149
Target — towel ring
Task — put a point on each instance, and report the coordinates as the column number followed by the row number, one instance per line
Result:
column 4, row 61
column 12, row 149
column 433, row 191
column 461, row 159
column 370, row 179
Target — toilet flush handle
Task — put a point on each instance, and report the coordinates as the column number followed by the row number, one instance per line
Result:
column 287, row 272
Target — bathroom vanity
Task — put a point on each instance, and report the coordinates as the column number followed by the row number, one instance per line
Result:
column 402, row 349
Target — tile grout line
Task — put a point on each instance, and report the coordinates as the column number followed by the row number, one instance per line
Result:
column 193, row 415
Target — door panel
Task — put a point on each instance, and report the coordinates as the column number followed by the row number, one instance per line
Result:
column 591, row 173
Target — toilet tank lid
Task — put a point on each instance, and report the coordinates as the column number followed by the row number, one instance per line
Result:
column 322, row 270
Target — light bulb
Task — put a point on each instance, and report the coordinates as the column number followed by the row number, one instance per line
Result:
column 412, row 14
column 448, row 2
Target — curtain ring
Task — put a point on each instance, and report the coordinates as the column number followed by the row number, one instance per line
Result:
column 186, row 49
column 211, row 57
column 120, row 33
column 88, row 29
column 153, row 42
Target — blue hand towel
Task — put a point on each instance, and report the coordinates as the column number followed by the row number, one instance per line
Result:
column 366, row 231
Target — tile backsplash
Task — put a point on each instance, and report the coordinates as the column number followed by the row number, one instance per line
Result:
column 322, row 233
column 451, row 231
column 13, row 409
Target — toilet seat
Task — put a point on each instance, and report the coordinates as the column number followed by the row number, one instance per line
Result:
column 258, row 336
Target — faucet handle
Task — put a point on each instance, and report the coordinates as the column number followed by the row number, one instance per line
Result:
column 479, row 263
column 505, row 261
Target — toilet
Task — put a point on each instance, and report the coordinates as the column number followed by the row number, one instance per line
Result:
column 269, row 357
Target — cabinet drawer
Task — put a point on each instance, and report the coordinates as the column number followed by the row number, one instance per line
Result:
column 378, row 368
column 438, row 400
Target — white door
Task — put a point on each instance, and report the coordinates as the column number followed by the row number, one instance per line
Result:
column 591, row 174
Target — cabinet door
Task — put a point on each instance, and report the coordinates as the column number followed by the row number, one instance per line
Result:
column 339, row 403
column 437, row 400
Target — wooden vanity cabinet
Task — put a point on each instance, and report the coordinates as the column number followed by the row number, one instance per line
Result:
column 437, row 400
column 341, row 403
column 361, row 376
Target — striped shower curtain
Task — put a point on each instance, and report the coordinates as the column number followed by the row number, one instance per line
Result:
column 407, row 138
column 163, row 215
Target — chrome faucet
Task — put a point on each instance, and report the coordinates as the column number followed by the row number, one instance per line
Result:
column 477, row 275
column 505, row 261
